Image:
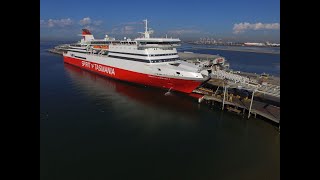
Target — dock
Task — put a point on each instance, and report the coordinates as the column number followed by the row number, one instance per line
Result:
column 55, row 51
column 242, row 106
column 244, row 92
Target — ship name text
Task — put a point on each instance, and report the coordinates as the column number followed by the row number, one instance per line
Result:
column 99, row 67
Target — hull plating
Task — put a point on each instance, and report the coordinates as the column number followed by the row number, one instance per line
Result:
column 182, row 85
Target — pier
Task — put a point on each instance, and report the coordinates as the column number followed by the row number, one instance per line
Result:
column 55, row 51
column 242, row 106
column 227, row 89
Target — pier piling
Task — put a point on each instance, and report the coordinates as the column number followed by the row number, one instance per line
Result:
column 224, row 96
column 251, row 104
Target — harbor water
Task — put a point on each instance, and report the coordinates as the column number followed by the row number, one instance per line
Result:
column 92, row 127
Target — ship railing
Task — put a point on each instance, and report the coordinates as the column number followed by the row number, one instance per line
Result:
column 269, row 89
column 158, row 45
column 225, row 75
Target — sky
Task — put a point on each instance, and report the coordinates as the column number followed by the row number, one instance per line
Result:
column 228, row 20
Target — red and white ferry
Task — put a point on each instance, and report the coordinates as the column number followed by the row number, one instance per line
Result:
column 145, row 60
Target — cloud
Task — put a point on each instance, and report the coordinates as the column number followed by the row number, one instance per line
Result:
column 184, row 31
column 242, row 27
column 56, row 23
column 123, row 30
column 97, row 23
column 127, row 28
column 132, row 23
column 85, row 21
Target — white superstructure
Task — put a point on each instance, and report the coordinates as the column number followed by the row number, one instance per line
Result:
column 145, row 60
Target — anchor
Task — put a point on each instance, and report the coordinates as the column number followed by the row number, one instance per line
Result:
column 168, row 93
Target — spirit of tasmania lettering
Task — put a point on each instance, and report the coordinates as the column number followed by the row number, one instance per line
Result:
column 98, row 67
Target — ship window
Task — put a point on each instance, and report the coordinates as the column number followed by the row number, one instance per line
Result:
column 159, row 69
column 178, row 72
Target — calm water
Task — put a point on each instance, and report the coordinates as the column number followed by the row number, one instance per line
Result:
column 245, row 61
column 97, row 128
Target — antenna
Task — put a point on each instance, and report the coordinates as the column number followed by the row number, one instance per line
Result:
column 146, row 32
column 146, row 23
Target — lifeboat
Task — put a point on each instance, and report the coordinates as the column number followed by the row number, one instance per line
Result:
column 101, row 46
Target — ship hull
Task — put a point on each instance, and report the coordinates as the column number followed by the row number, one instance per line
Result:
column 181, row 85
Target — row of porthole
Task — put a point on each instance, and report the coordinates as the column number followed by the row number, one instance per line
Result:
column 163, row 54
column 164, row 60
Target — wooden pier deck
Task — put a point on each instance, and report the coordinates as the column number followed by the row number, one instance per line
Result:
column 258, row 108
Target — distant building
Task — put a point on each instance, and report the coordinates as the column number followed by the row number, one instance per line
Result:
column 272, row 44
column 254, row 44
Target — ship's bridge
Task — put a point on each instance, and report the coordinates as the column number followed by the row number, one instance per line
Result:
column 147, row 42
column 158, row 42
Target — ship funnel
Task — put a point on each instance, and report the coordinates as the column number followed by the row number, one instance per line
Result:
column 86, row 32
column 87, row 36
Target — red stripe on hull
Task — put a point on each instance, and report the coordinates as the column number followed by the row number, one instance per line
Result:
column 186, row 86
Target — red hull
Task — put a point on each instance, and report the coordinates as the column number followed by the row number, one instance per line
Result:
column 186, row 86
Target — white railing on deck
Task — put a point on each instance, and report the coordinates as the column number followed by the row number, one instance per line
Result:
column 230, row 76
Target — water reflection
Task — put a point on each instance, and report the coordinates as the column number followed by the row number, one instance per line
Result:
column 127, row 100
column 102, row 86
